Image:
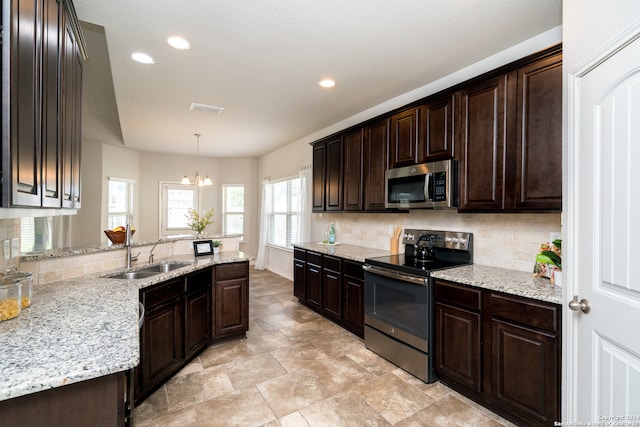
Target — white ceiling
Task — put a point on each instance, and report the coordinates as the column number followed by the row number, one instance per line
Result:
column 262, row 60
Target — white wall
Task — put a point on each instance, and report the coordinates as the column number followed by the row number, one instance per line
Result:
column 501, row 240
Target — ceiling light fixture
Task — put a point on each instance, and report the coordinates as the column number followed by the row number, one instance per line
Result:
column 327, row 83
column 206, row 107
column 178, row 43
column 198, row 181
column 143, row 58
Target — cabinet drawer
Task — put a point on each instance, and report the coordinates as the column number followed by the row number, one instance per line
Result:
column 526, row 311
column 238, row 270
column 162, row 292
column 299, row 254
column 458, row 295
column 332, row 263
column 199, row 280
column 314, row 258
column 353, row 269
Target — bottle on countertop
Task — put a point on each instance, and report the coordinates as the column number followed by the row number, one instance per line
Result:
column 332, row 234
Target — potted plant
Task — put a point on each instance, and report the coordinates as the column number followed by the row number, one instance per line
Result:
column 217, row 244
column 199, row 222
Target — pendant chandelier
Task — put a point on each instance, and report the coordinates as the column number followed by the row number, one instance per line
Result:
column 197, row 180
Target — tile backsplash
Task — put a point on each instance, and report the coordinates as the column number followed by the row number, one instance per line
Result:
column 500, row 240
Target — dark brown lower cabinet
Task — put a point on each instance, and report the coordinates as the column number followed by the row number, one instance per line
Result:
column 502, row 351
column 97, row 402
column 231, row 299
column 183, row 316
column 332, row 286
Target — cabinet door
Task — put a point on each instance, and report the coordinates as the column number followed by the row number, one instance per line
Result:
column 161, row 341
column 331, row 293
column 25, row 138
column 51, row 129
column 437, row 143
column 333, row 189
column 319, row 176
column 482, row 140
column 404, row 133
column 375, row 165
column 458, row 345
column 299, row 287
column 538, row 143
column 197, row 305
column 525, row 372
column 231, row 307
column 313, row 279
column 71, row 85
column 353, row 152
column 353, row 303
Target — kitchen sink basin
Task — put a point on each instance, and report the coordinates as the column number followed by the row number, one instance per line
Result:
column 164, row 267
column 133, row 275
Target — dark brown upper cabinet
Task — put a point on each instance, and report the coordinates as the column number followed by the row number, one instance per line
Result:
column 41, row 112
column 438, row 116
column 376, row 137
column 405, row 131
column 353, row 170
column 510, row 139
column 328, row 174
column 538, row 157
column 482, row 141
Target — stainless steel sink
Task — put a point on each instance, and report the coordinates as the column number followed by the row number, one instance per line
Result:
column 133, row 275
column 165, row 267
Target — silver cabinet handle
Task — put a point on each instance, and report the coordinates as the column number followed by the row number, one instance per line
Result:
column 582, row 305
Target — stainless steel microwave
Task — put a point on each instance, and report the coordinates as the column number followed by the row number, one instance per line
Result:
column 427, row 185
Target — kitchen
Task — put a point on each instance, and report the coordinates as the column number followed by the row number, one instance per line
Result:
column 505, row 240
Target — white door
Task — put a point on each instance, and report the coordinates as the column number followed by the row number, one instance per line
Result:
column 604, row 168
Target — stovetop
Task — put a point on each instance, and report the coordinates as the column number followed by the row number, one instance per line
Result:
column 428, row 250
column 410, row 264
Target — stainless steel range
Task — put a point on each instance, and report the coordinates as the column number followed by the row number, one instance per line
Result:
column 399, row 297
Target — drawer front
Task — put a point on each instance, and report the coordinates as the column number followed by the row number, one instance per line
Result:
column 458, row 295
column 236, row 270
column 162, row 292
column 332, row 263
column 299, row 254
column 526, row 311
column 353, row 269
column 199, row 280
column 314, row 258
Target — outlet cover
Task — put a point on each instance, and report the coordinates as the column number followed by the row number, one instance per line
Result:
column 15, row 247
column 6, row 249
column 555, row 235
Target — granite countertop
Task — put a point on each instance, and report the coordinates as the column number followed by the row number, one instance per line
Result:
column 80, row 329
column 104, row 247
column 503, row 280
column 352, row 252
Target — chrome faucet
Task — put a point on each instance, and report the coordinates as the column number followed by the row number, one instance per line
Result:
column 127, row 243
column 151, row 253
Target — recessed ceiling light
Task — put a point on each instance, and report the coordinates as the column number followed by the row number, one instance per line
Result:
column 178, row 43
column 327, row 83
column 142, row 58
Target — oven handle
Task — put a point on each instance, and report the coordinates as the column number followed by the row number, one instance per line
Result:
column 418, row 280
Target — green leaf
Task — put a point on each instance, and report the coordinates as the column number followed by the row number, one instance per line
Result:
column 555, row 259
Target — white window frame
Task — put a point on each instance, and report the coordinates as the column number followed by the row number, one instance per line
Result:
column 128, row 213
column 290, row 213
column 226, row 213
column 163, row 187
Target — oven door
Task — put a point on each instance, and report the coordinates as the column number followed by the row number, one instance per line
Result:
column 399, row 306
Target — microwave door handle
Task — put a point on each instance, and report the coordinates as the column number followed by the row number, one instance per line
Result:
column 428, row 196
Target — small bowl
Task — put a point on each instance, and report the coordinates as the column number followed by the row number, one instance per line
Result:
column 117, row 237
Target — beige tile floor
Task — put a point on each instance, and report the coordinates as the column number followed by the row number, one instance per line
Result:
column 296, row 368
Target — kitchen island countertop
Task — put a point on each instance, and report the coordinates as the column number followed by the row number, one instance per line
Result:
column 80, row 329
column 503, row 280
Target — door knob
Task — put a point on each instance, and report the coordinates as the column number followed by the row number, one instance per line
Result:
column 582, row 305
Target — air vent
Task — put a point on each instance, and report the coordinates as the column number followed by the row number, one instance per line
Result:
column 204, row 107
